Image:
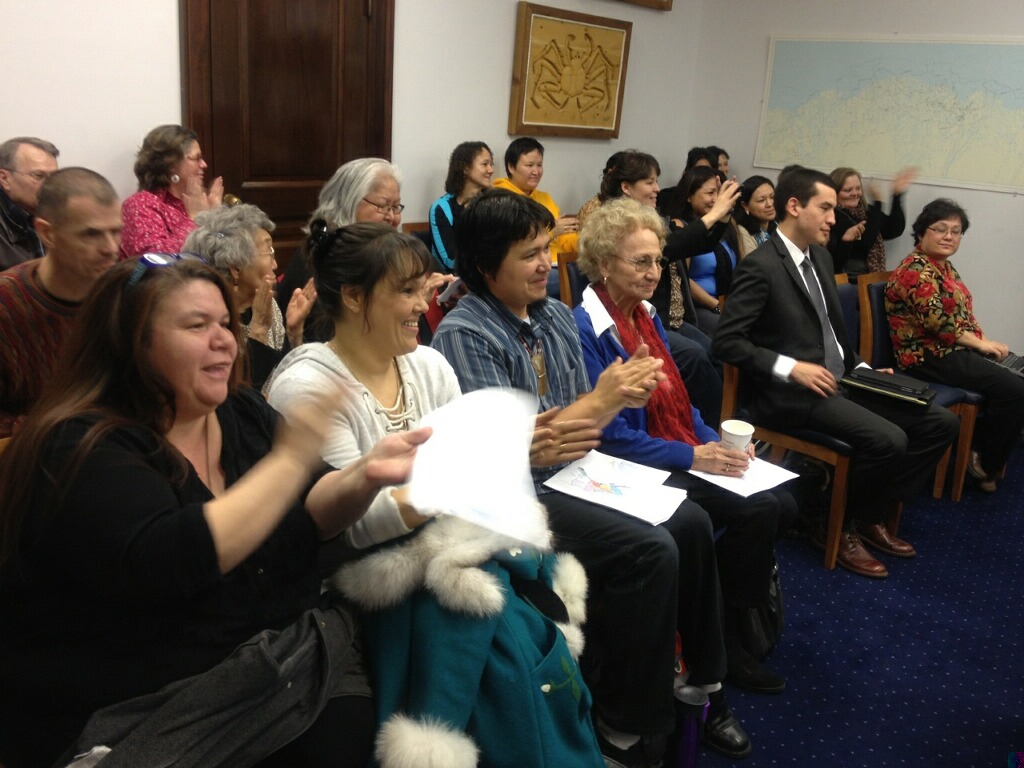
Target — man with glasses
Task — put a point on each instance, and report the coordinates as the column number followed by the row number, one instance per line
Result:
column 25, row 163
column 78, row 219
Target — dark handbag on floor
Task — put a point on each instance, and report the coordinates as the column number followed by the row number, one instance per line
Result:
column 760, row 628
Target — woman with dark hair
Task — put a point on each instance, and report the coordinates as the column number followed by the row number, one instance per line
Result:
column 856, row 241
column 936, row 336
column 156, row 520
column 524, row 164
column 169, row 167
column 702, row 196
column 698, row 156
column 371, row 280
column 630, row 173
column 237, row 242
column 755, row 215
column 470, row 169
column 721, row 158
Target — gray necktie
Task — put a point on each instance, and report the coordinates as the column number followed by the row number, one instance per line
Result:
column 833, row 359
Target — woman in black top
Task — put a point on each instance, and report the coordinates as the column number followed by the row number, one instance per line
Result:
column 856, row 241
column 154, row 519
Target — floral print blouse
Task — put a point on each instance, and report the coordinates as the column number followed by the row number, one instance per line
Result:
column 928, row 307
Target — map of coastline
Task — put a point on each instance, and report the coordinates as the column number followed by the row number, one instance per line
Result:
column 954, row 110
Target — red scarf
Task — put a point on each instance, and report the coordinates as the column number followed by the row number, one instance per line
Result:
column 669, row 413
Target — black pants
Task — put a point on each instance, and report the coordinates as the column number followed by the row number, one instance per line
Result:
column 997, row 431
column 746, row 548
column 895, row 446
column 645, row 582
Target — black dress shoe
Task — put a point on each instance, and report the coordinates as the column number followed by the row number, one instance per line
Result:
column 748, row 673
column 724, row 734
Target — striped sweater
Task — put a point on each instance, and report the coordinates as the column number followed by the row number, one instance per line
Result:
column 33, row 328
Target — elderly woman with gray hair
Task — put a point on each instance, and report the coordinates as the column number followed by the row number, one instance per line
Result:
column 621, row 253
column 237, row 242
column 366, row 189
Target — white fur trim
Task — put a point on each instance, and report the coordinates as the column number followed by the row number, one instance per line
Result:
column 569, row 582
column 574, row 639
column 403, row 742
column 383, row 579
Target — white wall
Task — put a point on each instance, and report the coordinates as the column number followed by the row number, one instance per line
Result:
column 988, row 259
column 453, row 73
column 92, row 76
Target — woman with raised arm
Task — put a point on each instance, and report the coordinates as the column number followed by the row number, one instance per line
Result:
column 170, row 170
column 703, row 200
column 857, row 240
column 156, row 521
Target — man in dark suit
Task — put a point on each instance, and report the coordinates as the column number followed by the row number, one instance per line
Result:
column 782, row 326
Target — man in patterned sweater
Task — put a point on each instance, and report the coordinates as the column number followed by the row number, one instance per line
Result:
column 78, row 220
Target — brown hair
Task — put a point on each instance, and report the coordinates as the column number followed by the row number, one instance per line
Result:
column 162, row 148
column 104, row 375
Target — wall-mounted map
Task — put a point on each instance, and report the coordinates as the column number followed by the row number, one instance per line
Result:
column 955, row 109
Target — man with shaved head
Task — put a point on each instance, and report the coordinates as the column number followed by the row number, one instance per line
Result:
column 78, row 219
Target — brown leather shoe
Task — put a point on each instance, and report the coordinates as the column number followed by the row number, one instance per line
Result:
column 877, row 536
column 853, row 557
column 986, row 482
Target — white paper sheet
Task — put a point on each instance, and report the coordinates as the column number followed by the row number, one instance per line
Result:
column 631, row 488
column 761, row 475
column 476, row 464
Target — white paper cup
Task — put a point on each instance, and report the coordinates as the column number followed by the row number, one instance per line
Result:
column 737, row 434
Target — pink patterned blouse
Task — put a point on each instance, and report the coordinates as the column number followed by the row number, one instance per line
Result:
column 153, row 221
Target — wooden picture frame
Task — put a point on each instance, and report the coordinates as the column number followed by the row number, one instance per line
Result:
column 569, row 73
column 661, row 5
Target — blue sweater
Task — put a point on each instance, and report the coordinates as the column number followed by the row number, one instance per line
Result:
column 626, row 436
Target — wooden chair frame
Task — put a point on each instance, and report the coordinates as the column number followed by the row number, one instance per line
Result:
column 564, row 280
column 781, row 442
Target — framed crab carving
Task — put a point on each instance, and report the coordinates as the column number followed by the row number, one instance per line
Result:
column 569, row 73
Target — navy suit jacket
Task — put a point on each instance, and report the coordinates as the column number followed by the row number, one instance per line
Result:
column 769, row 313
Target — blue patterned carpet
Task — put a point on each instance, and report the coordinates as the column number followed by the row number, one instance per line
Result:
column 925, row 668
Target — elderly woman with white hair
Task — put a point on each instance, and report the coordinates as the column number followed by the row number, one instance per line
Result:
column 621, row 254
column 237, row 242
column 368, row 189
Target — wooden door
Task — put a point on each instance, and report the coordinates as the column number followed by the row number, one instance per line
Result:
column 282, row 92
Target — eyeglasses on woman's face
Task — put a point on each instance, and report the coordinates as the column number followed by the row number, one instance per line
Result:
column 644, row 263
column 385, row 208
